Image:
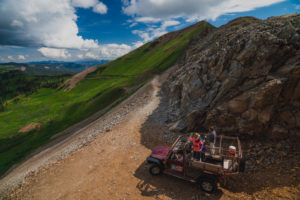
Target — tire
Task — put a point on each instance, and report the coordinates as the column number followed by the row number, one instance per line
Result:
column 208, row 185
column 155, row 169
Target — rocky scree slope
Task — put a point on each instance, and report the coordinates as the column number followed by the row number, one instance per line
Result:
column 244, row 77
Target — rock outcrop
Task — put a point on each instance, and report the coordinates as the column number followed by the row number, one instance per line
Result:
column 244, row 77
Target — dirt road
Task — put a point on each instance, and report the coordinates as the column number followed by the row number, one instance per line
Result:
column 112, row 165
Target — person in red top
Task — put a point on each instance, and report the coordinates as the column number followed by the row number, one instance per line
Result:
column 197, row 143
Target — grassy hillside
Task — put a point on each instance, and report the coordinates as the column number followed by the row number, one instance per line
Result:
column 56, row 109
column 153, row 57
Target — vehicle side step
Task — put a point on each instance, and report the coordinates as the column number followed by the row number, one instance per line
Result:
column 178, row 175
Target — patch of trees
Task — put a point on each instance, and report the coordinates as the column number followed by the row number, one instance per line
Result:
column 14, row 83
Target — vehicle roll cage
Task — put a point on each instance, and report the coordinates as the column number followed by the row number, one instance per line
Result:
column 219, row 162
column 221, row 147
column 221, row 152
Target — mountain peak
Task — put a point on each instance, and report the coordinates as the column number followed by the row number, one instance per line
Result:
column 243, row 77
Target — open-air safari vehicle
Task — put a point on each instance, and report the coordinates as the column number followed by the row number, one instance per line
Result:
column 224, row 160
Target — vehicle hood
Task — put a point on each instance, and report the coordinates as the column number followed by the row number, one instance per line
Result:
column 160, row 152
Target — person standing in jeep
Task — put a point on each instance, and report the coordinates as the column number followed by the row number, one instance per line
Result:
column 197, row 143
column 212, row 139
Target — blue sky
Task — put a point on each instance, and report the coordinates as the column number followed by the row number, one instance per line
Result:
column 69, row 30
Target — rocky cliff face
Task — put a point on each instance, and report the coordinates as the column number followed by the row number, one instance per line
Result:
column 244, row 77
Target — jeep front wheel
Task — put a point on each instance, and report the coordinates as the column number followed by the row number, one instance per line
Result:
column 155, row 169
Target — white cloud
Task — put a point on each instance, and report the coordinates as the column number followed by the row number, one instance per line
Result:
column 112, row 51
column 54, row 53
column 133, row 24
column 137, row 44
column 147, row 19
column 190, row 9
column 80, row 56
column 21, row 57
column 153, row 32
column 91, row 55
column 50, row 27
column 297, row 7
column 48, row 23
column 100, row 8
column 106, row 51
column 17, row 23
column 168, row 23
column 84, row 3
column 143, row 34
column 149, row 33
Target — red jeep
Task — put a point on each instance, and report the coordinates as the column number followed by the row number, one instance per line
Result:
column 219, row 163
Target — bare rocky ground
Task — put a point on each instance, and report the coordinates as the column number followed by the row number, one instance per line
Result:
column 244, row 77
column 72, row 82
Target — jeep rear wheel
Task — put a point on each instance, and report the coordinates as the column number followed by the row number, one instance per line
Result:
column 155, row 169
column 208, row 185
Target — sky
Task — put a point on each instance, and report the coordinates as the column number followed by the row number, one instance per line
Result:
column 71, row 30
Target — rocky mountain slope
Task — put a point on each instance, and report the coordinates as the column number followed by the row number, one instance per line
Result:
column 244, row 77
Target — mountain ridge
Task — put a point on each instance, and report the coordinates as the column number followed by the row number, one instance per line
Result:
column 230, row 78
column 149, row 48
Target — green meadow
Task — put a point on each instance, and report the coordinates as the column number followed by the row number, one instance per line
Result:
column 56, row 109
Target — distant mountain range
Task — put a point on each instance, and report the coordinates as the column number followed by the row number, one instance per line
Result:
column 51, row 67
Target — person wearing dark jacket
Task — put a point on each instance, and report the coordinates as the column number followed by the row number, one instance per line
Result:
column 212, row 139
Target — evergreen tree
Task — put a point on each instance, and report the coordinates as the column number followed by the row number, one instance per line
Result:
column 1, row 105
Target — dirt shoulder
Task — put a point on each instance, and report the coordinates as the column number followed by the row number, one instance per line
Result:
column 112, row 165
column 72, row 82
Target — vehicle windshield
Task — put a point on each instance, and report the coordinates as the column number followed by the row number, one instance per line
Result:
column 179, row 145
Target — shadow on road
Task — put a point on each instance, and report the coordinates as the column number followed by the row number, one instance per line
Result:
column 164, row 185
